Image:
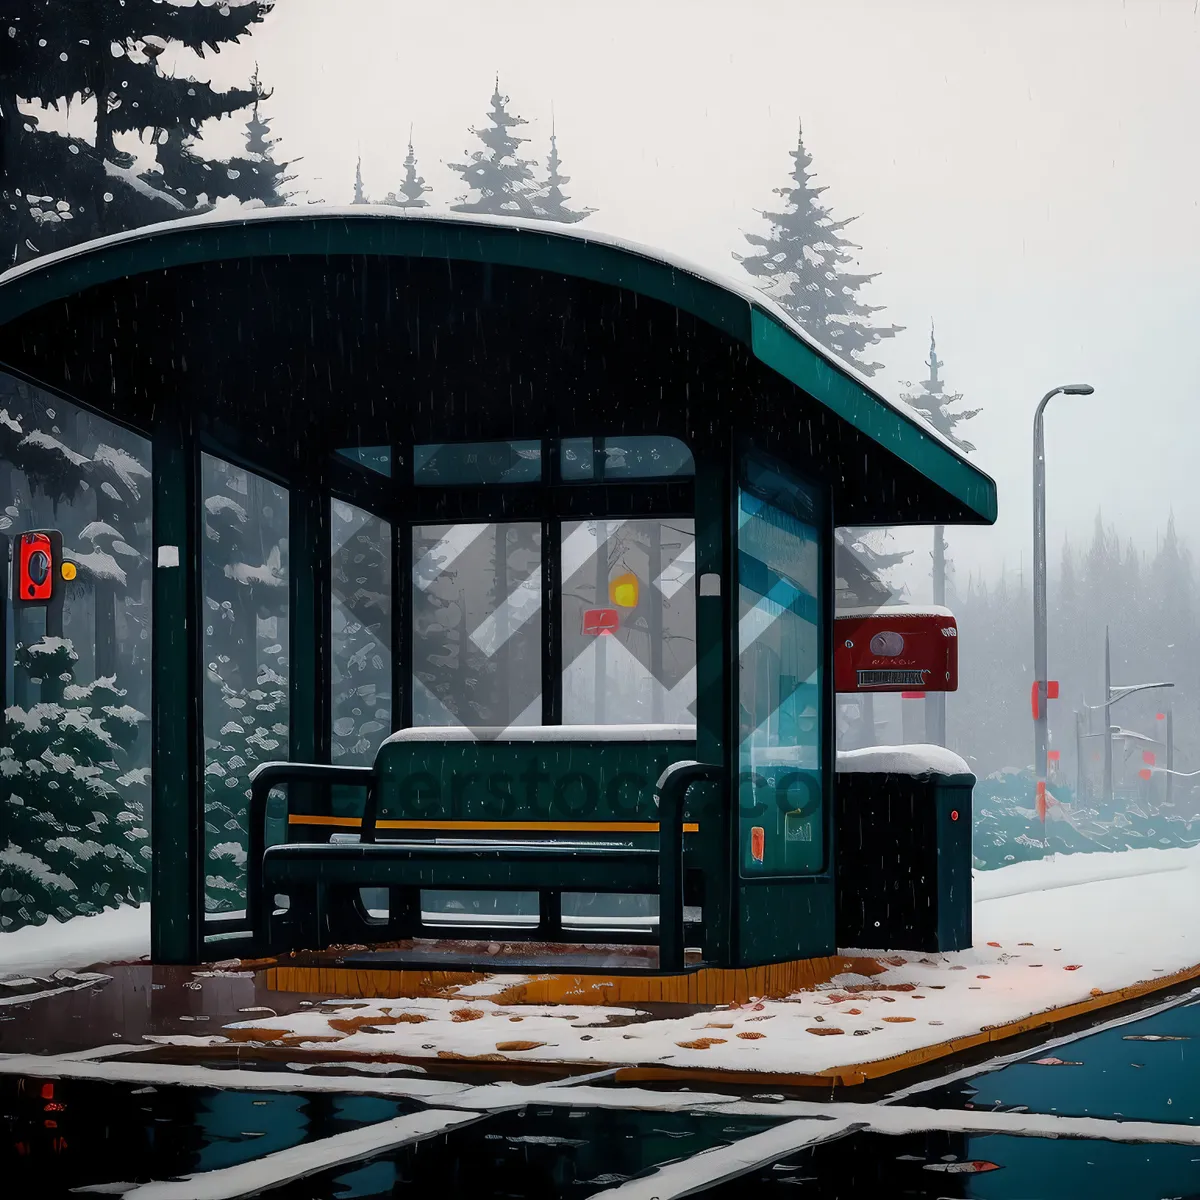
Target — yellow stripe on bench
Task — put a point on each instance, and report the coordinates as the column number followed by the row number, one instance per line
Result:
column 513, row 826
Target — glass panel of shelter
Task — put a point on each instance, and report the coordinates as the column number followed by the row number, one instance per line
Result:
column 75, row 691
column 779, row 636
column 624, row 588
column 245, row 647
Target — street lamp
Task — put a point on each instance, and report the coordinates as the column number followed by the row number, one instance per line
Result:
column 1040, row 720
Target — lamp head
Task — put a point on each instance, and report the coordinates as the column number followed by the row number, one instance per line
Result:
column 1077, row 389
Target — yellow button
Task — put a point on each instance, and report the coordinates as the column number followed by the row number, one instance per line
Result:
column 69, row 570
column 623, row 591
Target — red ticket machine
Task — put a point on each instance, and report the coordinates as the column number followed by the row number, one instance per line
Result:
column 895, row 649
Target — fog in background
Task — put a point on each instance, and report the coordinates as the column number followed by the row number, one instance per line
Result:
column 1026, row 173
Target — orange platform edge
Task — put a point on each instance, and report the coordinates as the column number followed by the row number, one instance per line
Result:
column 704, row 987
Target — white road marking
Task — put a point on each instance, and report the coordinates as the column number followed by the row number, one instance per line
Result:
column 250, row 1178
column 722, row 1163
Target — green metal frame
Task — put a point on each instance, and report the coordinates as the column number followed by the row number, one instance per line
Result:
column 783, row 348
column 788, row 356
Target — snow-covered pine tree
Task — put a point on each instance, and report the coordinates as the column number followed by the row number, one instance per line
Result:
column 74, row 813
column 411, row 193
column 111, row 564
column 551, row 203
column 803, row 262
column 59, row 190
column 502, row 181
column 260, row 148
column 939, row 408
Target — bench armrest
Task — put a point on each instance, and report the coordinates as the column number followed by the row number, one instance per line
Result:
column 669, row 794
column 263, row 779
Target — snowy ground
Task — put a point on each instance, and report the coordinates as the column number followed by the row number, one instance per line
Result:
column 115, row 935
column 1088, row 925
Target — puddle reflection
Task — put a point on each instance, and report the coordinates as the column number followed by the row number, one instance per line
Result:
column 63, row 1134
column 1144, row 1071
column 534, row 1154
column 939, row 1166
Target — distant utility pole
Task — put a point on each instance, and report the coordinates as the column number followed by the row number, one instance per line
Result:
column 1114, row 693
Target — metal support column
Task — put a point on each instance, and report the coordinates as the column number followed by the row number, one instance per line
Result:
column 1107, row 713
column 309, row 620
column 177, row 779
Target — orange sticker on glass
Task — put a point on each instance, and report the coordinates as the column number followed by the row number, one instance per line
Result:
column 758, row 843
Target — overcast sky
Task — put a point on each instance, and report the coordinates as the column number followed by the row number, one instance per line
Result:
column 1028, row 175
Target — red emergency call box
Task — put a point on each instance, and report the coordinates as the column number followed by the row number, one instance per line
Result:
column 36, row 563
column 895, row 649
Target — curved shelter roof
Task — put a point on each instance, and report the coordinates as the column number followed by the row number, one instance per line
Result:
column 280, row 322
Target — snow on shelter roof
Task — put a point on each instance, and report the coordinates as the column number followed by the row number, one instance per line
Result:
column 727, row 303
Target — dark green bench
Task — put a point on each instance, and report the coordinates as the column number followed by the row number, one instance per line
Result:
column 569, row 809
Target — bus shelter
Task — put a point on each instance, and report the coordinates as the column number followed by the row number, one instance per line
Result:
column 508, row 521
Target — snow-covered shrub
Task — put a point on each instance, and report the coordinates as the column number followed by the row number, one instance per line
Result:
column 74, row 838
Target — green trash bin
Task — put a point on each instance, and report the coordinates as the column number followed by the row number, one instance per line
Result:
column 903, row 855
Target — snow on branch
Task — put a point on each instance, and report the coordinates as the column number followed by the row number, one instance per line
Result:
column 100, row 567
column 94, row 529
column 218, row 504
column 123, row 465
column 44, row 441
column 31, row 865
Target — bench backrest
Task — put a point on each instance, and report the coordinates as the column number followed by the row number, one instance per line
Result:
column 596, row 780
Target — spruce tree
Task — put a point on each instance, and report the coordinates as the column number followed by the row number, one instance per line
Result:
column 260, row 147
column 74, row 821
column 411, row 193
column 803, row 263
column 873, row 550
column 502, row 181
column 939, row 408
column 59, row 190
column 551, row 202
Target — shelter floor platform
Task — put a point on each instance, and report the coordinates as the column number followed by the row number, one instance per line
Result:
column 1056, row 942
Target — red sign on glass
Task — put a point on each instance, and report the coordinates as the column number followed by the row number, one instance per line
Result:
column 895, row 649
column 600, row 622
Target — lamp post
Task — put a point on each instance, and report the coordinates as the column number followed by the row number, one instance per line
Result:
column 1040, row 720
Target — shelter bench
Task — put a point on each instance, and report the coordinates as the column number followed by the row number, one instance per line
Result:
column 516, row 818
